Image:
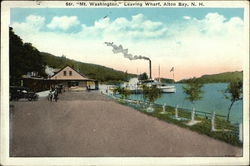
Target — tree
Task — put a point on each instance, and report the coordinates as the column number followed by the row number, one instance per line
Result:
column 151, row 93
column 233, row 93
column 64, row 61
column 143, row 76
column 167, row 80
column 23, row 57
column 116, row 90
column 193, row 90
column 16, row 57
column 122, row 91
column 33, row 60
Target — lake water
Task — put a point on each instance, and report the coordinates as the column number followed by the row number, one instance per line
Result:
column 213, row 101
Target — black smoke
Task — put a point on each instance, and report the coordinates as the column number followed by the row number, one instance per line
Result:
column 120, row 49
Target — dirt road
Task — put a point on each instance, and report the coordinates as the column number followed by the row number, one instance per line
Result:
column 90, row 124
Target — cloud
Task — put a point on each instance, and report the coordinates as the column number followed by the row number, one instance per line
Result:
column 213, row 43
column 63, row 23
column 214, row 17
column 32, row 23
column 137, row 28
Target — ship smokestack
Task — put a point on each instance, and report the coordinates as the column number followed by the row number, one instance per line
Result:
column 150, row 69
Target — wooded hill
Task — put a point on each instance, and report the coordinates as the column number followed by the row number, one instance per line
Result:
column 23, row 57
column 26, row 58
column 217, row 78
column 93, row 71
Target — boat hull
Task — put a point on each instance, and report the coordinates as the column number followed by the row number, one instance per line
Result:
column 168, row 90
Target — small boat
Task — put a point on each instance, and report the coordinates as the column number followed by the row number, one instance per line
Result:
column 163, row 86
column 166, row 88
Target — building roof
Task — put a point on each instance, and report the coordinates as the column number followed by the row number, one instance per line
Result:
column 75, row 75
column 32, row 77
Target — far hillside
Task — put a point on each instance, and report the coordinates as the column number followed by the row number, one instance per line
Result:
column 25, row 58
column 218, row 78
column 93, row 71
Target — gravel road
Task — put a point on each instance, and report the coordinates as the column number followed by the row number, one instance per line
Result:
column 84, row 124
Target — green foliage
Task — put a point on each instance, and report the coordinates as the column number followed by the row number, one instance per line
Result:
column 93, row 71
column 143, row 76
column 122, row 91
column 151, row 93
column 23, row 57
column 167, row 80
column 218, row 78
column 193, row 91
column 26, row 58
column 233, row 93
column 116, row 90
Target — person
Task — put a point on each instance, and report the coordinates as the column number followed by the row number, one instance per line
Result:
column 53, row 94
column 50, row 96
column 56, row 95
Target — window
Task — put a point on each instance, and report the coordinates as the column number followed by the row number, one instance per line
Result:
column 70, row 73
column 64, row 73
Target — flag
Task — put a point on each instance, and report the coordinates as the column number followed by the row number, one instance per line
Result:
column 172, row 69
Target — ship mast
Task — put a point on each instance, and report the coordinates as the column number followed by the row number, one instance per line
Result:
column 159, row 74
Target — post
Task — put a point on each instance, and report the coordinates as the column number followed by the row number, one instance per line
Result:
column 164, row 108
column 176, row 112
column 240, row 132
column 150, row 109
column 213, row 122
column 193, row 114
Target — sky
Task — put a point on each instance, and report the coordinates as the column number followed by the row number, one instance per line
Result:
column 194, row 41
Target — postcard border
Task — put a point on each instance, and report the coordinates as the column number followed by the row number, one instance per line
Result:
column 5, row 159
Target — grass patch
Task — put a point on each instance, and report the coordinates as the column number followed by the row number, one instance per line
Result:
column 226, row 131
